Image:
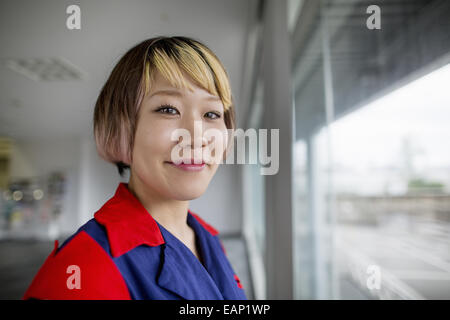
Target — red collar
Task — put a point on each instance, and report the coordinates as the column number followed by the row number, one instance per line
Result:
column 128, row 224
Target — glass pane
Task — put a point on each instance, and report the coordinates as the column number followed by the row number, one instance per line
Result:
column 372, row 215
column 393, row 194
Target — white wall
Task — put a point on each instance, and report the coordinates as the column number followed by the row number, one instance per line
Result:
column 98, row 180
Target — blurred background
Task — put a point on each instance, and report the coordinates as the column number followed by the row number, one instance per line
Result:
column 360, row 206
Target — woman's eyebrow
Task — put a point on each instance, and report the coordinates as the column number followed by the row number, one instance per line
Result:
column 177, row 93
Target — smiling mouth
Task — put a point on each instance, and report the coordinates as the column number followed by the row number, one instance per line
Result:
column 189, row 162
column 188, row 166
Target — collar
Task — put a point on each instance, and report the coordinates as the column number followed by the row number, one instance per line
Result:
column 128, row 224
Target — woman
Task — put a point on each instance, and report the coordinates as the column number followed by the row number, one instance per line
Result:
column 144, row 242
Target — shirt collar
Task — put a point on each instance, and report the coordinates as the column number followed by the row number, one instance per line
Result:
column 128, row 224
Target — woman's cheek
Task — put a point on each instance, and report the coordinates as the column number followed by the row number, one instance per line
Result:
column 153, row 133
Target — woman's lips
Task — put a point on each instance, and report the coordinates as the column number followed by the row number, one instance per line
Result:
column 189, row 167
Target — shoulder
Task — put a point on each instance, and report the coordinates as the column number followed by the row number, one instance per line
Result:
column 204, row 224
column 80, row 269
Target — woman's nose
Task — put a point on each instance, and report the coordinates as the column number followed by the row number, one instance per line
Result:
column 196, row 128
column 196, row 131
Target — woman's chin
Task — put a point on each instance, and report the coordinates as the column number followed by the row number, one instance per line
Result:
column 188, row 192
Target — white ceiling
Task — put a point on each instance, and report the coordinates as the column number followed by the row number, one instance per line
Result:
column 37, row 29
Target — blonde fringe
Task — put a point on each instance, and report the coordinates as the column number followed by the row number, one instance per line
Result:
column 209, row 75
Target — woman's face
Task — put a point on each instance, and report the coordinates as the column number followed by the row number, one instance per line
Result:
column 164, row 111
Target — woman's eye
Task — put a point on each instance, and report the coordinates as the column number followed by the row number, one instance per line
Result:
column 213, row 115
column 167, row 109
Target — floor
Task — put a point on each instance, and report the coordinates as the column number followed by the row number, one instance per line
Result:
column 20, row 261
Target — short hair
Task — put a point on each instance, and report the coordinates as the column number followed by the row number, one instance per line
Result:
column 117, row 106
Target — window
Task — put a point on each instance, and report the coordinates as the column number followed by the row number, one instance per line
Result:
column 372, row 167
